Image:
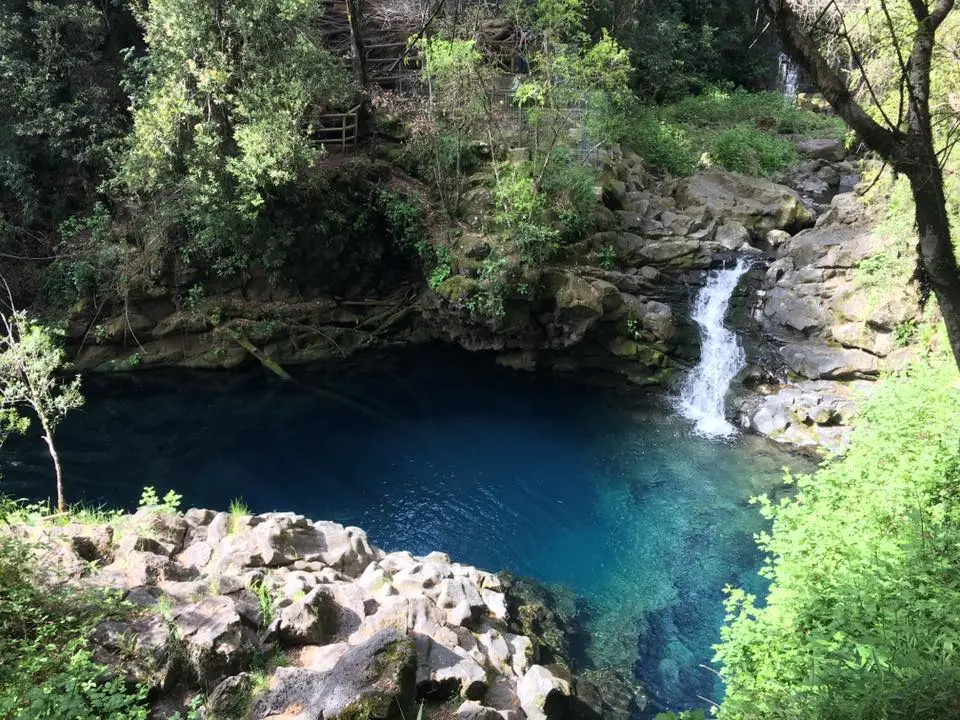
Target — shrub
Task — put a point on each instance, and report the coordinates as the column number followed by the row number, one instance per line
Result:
column 663, row 144
column 862, row 618
column 46, row 663
column 749, row 151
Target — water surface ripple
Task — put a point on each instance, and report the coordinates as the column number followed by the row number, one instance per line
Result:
column 643, row 519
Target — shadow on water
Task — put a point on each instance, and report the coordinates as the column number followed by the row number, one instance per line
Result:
column 438, row 450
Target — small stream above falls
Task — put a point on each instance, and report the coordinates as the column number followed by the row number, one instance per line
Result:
column 435, row 450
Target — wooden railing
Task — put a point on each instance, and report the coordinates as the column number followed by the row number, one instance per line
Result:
column 337, row 129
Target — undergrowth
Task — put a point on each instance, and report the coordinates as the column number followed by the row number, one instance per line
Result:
column 47, row 669
column 738, row 130
column 862, row 619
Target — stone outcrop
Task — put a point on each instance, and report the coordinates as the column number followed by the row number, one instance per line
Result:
column 619, row 300
column 360, row 634
column 829, row 331
column 616, row 302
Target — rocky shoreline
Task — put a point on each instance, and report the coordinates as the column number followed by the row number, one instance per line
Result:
column 277, row 616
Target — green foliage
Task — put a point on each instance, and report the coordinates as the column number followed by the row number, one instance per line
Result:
column 221, row 121
column 404, row 219
column 679, row 47
column 453, row 71
column 686, row 715
column 905, row 333
column 437, row 261
column 608, row 257
column 194, row 709
column 149, row 500
column 238, row 512
column 265, row 599
column 861, row 618
column 61, row 112
column 736, row 129
column 499, row 280
column 47, row 668
column 662, row 144
column 746, row 150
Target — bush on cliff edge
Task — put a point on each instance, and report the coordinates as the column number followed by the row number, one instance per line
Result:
column 47, row 670
column 862, row 619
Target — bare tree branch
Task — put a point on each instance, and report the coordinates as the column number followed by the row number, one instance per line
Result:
column 803, row 49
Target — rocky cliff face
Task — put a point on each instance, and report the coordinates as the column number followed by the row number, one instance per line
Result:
column 614, row 305
column 352, row 632
column 831, row 332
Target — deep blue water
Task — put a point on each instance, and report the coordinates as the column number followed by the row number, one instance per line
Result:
column 440, row 451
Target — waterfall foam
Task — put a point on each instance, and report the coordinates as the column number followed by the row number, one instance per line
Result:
column 704, row 389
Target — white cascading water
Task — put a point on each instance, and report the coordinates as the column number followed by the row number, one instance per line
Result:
column 787, row 76
column 705, row 388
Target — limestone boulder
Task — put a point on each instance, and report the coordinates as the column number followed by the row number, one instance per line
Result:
column 759, row 205
column 859, row 335
column 543, row 695
column 820, row 361
column 135, row 568
column 899, row 306
column 166, row 528
column 446, row 670
column 473, row 710
column 91, row 543
column 215, row 640
column 668, row 252
column 829, row 247
column 783, row 308
column 732, row 234
column 578, row 305
column 372, row 681
column 230, row 698
column 830, row 149
column 143, row 647
column 851, row 303
column 845, row 209
column 309, row 620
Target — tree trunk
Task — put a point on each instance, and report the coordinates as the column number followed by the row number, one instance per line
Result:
column 358, row 51
column 940, row 273
column 910, row 152
column 48, row 438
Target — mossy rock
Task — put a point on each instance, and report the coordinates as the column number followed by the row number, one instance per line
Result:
column 372, row 681
column 548, row 615
column 457, row 288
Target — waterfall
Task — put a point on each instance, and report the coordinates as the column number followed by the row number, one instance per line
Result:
column 721, row 357
column 787, row 76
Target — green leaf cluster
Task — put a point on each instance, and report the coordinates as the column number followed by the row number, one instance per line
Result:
column 862, row 617
column 47, row 669
column 221, row 124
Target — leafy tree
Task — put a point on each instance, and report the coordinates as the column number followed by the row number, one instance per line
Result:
column 678, row 47
column 222, row 120
column 458, row 86
column 906, row 137
column 61, row 110
column 29, row 362
column 862, row 618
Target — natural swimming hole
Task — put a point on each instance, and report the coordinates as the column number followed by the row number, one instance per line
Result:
column 432, row 450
